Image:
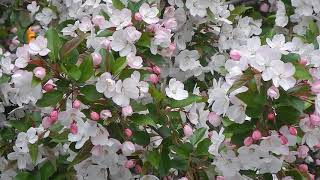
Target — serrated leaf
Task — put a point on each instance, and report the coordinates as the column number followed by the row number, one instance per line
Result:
column 47, row 170
column 203, row 147
column 302, row 72
column 197, row 136
column 74, row 72
column 142, row 120
column 90, row 93
column 144, row 40
column 33, row 151
column 237, row 12
column 118, row 4
column 118, row 65
column 50, row 99
column 141, row 137
column 86, row 68
column 54, row 43
column 185, row 102
column 71, row 44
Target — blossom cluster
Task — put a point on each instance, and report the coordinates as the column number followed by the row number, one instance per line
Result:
column 155, row 89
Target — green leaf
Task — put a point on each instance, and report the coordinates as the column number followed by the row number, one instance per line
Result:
column 71, row 45
column 54, row 44
column 50, row 99
column 118, row 65
column 182, row 150
column 23, row 175
column 291, row 57
column 83, row 154
column 164, row 164
column 72, row 57
column 246, row 127
column 197, row 136
column 105, row 33
column 142, row 120
column 156, row 59
column 296, row 175
column 118, row 4
column 243, row 80
column 144, row 40
column 141, row 137
column 90, row 93
column 4, row 79
column 253, row 99
column 302, row 72
column 179, row 164
column 185, row 102
column 74, row 72
column 287, row 115
column 135, row 6
column 47, row 170
column 156, row 94
column 154, row 158
column 203, row 147
column 86, row 69
column 237, row 12
column 33, row 150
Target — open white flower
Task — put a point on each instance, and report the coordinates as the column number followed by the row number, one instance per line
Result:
column 39, row 46
column 188, row 60
column 134, row 62
column 149, row 14
column 176, row 90
column 121, row 18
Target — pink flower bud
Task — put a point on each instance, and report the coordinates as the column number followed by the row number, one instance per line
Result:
column 105, row 114
column 46, row 122
column 98, row 20
column 256, row 135
column 315, row 120
column 283, row 140
column 74, row 128
column 127, row 111
column 54, row 115
column 96, row 58
column 315, row 87
column 271, row 116
column 248, row 141
column 94, row 116
column 39, row 72
column 48, row 87
column 172, row 46
column 264, row 7
column 214, row 119
column 311, row 176
column 187, row 130
column 154, row 78
column 137, row 16
column 128, row 148
column 138, row 169
column 130, row 164
column 235, row 55
column 318, row 162
column 128, row 132
column 293, row 131
column 149, row 69
column 303, row 151
column 273, row 92
column 76, row 104
column 303, row 62
column 107, row 44
column 156, row 70
column 220, row 178
column 303, row 168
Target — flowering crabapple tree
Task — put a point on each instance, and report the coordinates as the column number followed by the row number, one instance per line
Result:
column 156, row 89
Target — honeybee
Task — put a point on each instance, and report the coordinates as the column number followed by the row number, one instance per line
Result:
column 30, row 34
